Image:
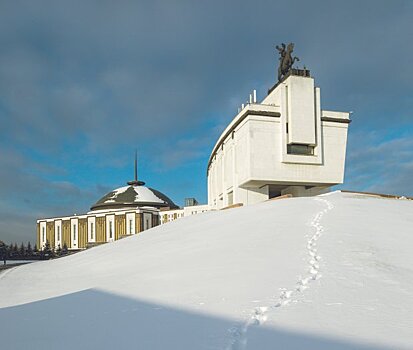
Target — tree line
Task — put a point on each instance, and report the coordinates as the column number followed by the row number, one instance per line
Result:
column 27, row 252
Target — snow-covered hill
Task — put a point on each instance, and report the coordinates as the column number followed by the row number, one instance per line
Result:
column 329, row 272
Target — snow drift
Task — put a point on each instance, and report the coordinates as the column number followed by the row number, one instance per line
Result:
column 329, row 272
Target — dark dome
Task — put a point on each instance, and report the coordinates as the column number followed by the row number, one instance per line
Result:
column 132, row 196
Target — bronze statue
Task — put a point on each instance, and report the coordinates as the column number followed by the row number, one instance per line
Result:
column 286, row 60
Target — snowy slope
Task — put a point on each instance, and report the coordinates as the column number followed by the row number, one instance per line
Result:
column 330, row 272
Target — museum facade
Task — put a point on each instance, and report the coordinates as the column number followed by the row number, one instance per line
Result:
column 123, row 212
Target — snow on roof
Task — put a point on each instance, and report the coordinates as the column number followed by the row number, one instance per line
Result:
column 133, row 195
column 329, row 272
column 143, row 195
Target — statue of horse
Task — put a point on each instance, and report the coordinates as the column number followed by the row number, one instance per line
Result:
column 286, row 59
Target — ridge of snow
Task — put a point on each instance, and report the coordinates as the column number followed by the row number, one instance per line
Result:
column 245, row 278
column 119, row 191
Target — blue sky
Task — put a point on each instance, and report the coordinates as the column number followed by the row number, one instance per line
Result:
column 84, row 83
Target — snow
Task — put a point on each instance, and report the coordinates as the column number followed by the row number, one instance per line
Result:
column 119, row 191
column 328, row 272
column 143, row 195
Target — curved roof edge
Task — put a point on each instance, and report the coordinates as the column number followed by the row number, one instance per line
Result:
column 250, row 109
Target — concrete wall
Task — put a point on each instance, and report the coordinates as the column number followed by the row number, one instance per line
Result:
column 91, row 230
column 58, row 233
column 74, row 232
column 42, row 234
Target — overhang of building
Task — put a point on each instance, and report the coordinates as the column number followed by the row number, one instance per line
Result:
column 254, row 183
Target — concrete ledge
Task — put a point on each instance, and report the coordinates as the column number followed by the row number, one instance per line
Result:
column 382, row 195
column 236, row 205
column 284, row 196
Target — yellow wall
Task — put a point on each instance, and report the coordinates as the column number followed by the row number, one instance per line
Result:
column 100, row 229
column 138, row 222
column 66, row 238
column 50, row 233
column 82, row 233
column 120, row 226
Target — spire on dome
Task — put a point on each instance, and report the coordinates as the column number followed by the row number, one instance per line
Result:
column 136, row 182
column 136, row 165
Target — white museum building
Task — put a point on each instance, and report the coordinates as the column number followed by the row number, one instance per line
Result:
column 284, row 145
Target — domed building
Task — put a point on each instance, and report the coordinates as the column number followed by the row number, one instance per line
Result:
column 122, row 212
column 133, row 195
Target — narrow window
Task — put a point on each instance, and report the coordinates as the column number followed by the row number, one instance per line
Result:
column 58, row 233
column 130, row 226
column 74, row 232
column 91, row 230
column 299, row 149
column 43, row 234
column 110, row 230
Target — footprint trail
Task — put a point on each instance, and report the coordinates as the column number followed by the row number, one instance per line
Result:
column 238, row 339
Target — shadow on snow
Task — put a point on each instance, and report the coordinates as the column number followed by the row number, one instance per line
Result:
column 93, row 319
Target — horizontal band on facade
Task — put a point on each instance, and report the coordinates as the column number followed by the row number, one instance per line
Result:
column 335, row 120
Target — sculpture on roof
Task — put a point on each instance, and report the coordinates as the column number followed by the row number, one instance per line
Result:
column 286, row 59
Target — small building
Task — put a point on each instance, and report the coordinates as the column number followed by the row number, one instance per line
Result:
column 190, row 208
column 122, row 212
column 190, row 202
column 286, row 144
